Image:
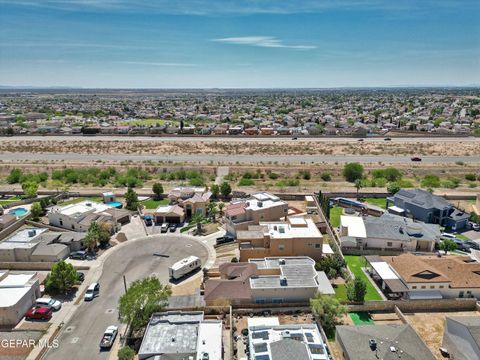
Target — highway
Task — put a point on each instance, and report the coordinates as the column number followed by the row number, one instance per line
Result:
column 237, row 138
column 226, row 158
column 80, row 337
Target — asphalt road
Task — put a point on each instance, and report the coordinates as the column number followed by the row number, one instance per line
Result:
column 233, row 138
column 246, row 159
column 81, row 336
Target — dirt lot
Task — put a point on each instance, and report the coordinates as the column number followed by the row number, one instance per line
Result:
column 430, row 327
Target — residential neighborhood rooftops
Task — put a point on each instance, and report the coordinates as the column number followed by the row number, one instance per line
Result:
column 389, row 341
column 292, row 228
column 79, row 209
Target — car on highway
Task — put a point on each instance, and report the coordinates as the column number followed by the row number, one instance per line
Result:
column 416, row 158
column 360, row 140
column 164, row 228
column 39, row 313
column 108, row 337
column 224, row 239
column 388, row 139
column 49, row 302
column 80, row 276
column 172, row 227
column 92, row 291
column 79, row 255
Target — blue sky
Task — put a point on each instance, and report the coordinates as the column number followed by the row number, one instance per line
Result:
column 228, row 43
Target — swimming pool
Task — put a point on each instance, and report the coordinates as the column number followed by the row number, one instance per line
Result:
column 116, row 204
column 18, row 212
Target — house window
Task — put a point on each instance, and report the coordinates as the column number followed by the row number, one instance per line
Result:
column 233, row 218
column 424, row 287
column 281, row 247
column 414, row 287
column 461, row 294
column 440, row 287
column 389, row 243
column 61, row 222
column 285, row 210
column 317, row 246
column 73, row 227
column 432, row 286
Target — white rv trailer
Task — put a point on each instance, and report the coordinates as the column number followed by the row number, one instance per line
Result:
column 184, row 266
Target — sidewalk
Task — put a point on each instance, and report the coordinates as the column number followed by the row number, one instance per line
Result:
column 94, row 274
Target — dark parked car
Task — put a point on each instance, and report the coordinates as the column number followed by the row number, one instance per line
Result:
column 388, row 139
column 39, row 313
column 416, row 158
column 472, row 244
column 172, row 227
column 462, row 245
column 80, row 276
column 80, row 255
column 360, row 140
column 148, row 221
column 224, row 239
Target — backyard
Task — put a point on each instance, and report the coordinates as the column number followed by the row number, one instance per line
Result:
column 153, row 204
column 355, row 264
column 335, row 213
column 380, row 202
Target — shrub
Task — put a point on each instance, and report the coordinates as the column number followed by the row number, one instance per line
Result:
column 470, row 177
column 326, row 176
column 431, row 181
column 246, row 182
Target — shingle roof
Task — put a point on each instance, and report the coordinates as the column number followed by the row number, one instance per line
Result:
column 422, row 198
column 355, row 341
column 288, row 349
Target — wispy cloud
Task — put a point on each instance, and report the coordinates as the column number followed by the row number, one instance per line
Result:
column 263, row 41
column 236, row 7
column 164, row 64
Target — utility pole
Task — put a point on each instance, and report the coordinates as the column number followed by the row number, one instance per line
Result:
column 125, row 283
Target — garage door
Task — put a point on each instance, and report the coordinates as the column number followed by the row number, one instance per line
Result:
column 172, row 219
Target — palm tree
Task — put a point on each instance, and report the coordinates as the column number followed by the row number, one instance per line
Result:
column 198, row 219
column 212, row 210
column 221, row 205
column 358, row 185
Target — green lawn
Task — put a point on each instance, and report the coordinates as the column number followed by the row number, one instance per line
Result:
column 361, row 318
column 355, row 264
column 335, row 213
column 80, row 199
column 341, row 293
column 380, row 202
column 10, row 200
column 462, row 237
column 153, row 204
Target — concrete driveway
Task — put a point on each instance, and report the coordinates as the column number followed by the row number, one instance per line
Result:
column 81, row 335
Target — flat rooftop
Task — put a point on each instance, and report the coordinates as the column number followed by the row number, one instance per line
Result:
column 295, row 227
column 83, row 207
column 25, row 235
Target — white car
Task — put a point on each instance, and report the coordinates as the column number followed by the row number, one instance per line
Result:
column 447, row 236
column 49, row 302
column 92, row 291
column 109, row 336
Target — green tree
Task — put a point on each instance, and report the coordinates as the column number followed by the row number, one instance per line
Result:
column 392, row 174
column 326, row 176
column 30, row 189
column 131, row 199
column 225, row 189
column 328, row 310
column 142, row 299
column 447, row 245
column 221, row 205
column 126, row 353
column 62, row 277
column 157, row 189
column 14, row 176
column 393, row 188
column 358, row 185
column 36, row 210
column 353, row 171
column 197, row 219
column 215, row 190
column 356, row 290
column 212, row 210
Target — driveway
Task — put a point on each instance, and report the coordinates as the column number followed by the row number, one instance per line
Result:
column 81, row 335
